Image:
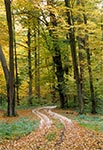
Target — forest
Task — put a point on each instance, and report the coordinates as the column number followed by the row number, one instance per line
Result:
column 51, row 57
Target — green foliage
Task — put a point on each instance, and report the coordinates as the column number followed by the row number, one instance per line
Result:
column 51, row 136
column 28, row 15
column 90, row 122
column 18, row 128
column 43, row 101
column 3, row 99
column 60, row 125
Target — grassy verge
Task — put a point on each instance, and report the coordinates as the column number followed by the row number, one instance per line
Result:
column 93, row 122
column 18, row 128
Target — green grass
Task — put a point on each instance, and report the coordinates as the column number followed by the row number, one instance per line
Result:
column 60, row 126
column 93, row 122
column 18, row 128
column 51, row 136
column 90, row 122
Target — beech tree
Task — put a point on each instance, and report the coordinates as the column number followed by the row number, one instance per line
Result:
column 89, row 66
column 29, row 66
column 11, row 86
column 58, row 61
column 63, row 38
column 74, row 56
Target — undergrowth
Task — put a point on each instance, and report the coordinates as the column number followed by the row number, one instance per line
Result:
column 91, row 122
column 18, row 128
column 51, row 136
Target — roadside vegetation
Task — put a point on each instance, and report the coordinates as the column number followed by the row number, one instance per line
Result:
column 89, row 121
column 20, row 125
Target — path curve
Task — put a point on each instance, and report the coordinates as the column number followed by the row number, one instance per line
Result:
column 46, row 122
column 71, row 137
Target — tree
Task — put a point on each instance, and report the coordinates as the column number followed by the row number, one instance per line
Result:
column 29, row 66
column 58, row 61
column 16, row 65
column 11, row 88
column 74, row 56
column 90, row 70
column 37, row 61
column 86, row 46
column 5, row 67
column 81, row 49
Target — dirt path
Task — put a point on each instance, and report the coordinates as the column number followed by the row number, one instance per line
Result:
column 56, row 132
column 45, row 122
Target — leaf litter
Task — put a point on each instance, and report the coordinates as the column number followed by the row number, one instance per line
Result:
column 49, row 136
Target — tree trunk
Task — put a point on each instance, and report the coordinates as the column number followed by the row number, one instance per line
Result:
column 29, row 68
column 5, row 69
column 37, row 62
column 58, row 63
column 16, row 67
column 4, row 65
column 74, row 57
column 60, row 76
column 89, row 67
column 81, row 48
column 11, row 88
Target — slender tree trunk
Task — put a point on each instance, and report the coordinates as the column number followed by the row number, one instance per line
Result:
column 81, row 61
column 91, row 82
column 81, row 47
column 29, row 67
column 89, row 67
column 16, row 67
column 37, row 62
column 53, row 87
column 5, row 69
column 74, row 57
column 11, row 88
column 4, row 65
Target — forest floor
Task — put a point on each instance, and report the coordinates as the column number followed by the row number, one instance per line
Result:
column 55, row 132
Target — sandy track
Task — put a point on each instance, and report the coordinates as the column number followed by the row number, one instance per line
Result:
column 45, row 120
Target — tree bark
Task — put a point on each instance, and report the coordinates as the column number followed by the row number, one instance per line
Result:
column 93, row 101
column 81, row 48
column 37, row 62
column 16, row 66
column 29, row 68
column 4, row 65
column 74, row 57
column 60, row 76
column 5, row 69
column 11, row 88
column 58, row 63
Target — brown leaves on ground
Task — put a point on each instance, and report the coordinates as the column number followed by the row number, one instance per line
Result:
column 20, row 113
column 57, row 137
